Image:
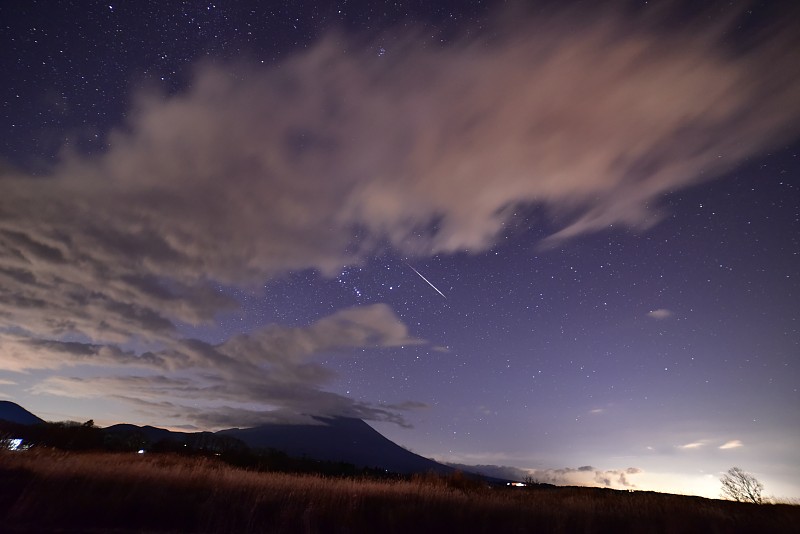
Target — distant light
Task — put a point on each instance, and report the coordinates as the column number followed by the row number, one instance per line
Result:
column 516, row 484
column 141, row 451
column 14, row 444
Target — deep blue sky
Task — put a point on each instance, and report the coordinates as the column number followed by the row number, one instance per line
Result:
column 217, row 214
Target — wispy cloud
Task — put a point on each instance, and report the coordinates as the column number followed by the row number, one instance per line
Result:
column 692, row 445
column 732, row 444
column 660, row 313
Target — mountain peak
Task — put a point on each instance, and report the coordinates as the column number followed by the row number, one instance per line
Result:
column 341, row 439
column 14, row 413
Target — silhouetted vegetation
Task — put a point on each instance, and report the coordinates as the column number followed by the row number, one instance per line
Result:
column 65, row 435
column 45, row 490
column 72, row 436
column 741, row 486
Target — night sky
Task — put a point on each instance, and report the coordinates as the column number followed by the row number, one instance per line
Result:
column 560, row 239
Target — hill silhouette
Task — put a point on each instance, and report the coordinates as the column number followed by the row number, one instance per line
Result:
column 14, row 413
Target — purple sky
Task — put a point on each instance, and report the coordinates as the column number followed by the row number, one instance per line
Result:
column 551, row 238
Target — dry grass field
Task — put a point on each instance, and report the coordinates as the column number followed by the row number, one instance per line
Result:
column 51, row 491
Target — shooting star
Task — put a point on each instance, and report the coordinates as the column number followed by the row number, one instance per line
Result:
column 428, row 281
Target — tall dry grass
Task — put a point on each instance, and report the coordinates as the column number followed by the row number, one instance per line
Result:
column 49, row 491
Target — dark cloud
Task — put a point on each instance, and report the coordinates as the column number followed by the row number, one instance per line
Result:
column 22, row 246
column 586, row 476
column 258, row 377
column 22, row 353
column 621, row 477
column 503, row 472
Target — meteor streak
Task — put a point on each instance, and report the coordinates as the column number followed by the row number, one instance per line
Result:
column 428, row 281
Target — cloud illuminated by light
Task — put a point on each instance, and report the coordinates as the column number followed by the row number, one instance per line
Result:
column 693, row 445
column 660, row 313
column 732, row 444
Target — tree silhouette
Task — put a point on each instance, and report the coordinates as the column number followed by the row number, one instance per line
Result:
column 741, row 486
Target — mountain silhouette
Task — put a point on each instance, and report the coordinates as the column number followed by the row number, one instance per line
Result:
column 14, row 413
column 330, row 439
column 338, row 439
column 148, row 433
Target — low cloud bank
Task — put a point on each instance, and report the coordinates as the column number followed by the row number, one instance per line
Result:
column 270, row 374
column 578, row 476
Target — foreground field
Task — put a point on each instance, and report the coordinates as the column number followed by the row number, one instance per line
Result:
column 49, row 491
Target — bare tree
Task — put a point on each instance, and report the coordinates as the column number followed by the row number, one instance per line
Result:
column 741, row 486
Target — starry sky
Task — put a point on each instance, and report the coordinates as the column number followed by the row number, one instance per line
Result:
column 546, row 237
